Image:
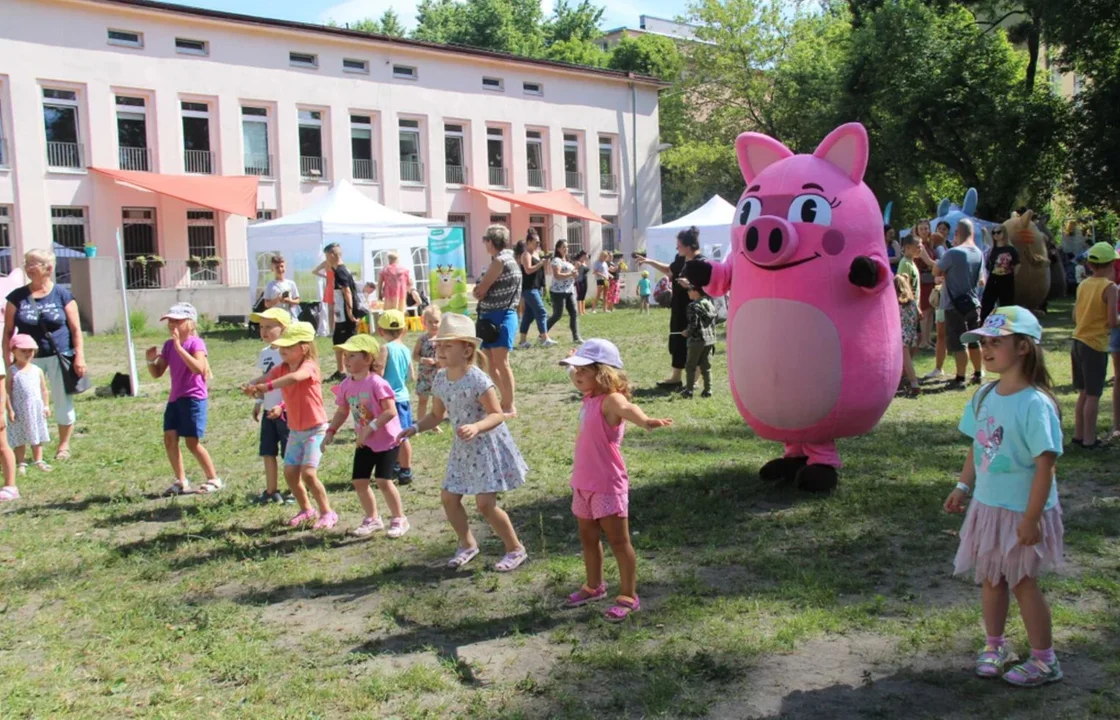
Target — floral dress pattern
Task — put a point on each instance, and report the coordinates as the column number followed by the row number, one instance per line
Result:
column 426, row 374
column 909, row 317
column 491, row 461
column 30, row 427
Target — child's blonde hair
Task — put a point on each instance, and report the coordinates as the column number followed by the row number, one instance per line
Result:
column 432, row 312
column 310, row 352
column 1034, row 369
column 611, row 380
column 392, row 256
column 904, row 290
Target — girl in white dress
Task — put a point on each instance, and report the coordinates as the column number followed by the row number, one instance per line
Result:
column 484, row 459
column 28, row 405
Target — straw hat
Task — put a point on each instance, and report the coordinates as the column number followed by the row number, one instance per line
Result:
column 454, row 326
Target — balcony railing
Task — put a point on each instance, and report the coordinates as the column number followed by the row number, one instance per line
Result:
column 608, row 183
column 135, row 158
column 179, row 274
column 259, row 165
column 4, row 152
column 456, row 175
column 64, row 155
column 498, row 177
column 312, row 168
column 536, row 179
column 199, row 162
column 412, row 172
column 365, row 169
column 573, row 180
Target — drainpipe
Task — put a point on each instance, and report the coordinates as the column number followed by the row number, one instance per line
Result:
column 634, row 157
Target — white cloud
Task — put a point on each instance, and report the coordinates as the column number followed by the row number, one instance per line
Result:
column 355, row 10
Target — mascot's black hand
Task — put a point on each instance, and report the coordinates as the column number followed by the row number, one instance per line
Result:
column 864, row 272
column 698, row 272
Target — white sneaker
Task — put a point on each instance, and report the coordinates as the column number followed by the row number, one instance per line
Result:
column 525, row 345
column 933, row 375
column 548, row 343
column 397, row 527
column 369, row 526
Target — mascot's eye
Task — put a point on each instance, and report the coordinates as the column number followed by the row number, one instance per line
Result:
column 749, row 210
column 812, row 209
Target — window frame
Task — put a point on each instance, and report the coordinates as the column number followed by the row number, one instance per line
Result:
column 7, row 238
column 295, row 61
column 138, row 43
column 74, row 105
column 499, row 87
column 259, row 119
column 413, row 128
column 539, row 92
column 203, row 51
column 363, row 70
column 413, row 72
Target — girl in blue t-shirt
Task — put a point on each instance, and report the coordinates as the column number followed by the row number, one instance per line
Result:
column 1013, row 529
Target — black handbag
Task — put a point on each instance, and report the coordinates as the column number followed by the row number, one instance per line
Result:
column 486, row 330
column 74, row 384
column 964, row 304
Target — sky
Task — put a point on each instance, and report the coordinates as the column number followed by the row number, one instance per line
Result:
column 619, row 12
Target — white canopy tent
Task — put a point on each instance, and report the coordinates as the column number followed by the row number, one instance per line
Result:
column 360, row 225
column 713, row 219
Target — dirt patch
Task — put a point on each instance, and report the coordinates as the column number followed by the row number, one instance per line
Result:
column 511, row 659
column 301, row 617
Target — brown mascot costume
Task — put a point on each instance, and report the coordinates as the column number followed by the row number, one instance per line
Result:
column 1032, row 278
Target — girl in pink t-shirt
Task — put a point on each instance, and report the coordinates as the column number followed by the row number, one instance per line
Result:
column 367, row 397
column 600, row 484
column 395, row 283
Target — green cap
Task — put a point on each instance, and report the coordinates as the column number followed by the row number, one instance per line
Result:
column 360, row 343
column 299, row 332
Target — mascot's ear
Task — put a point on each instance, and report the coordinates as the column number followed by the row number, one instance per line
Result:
column 1025, row 218
column 757, row 152
column 846, row 147
column 944, row 207
column 971, row 198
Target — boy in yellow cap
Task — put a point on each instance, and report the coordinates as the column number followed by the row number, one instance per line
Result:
column 395, row 362
column 1095, row 315
column 274, row 424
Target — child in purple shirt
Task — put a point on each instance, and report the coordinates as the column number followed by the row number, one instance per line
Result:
column 184, row 355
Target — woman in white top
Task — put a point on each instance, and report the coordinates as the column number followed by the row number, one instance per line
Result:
column 563, row 290
column 281, row 291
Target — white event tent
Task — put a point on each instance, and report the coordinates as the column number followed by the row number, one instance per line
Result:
column 360, row 225
column 713, row 219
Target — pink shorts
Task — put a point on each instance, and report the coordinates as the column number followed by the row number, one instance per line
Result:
column 589, row 505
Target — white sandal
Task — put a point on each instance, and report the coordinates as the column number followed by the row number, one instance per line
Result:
column 462, row 557
column 512, row 561
column 210, row 486
column 177, row 488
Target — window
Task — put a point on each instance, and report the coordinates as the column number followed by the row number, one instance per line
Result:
column 532, row 88
column 534, row 159
column 361, row 147
column 6, row 250
column 132, row 134
column 454, row 155
column 575, row 236
column 495, row 156
column 608, row 181
column 3, row 142
column 463, row 221
column 60, row 119
column 303, row 60
column 540, row 224
column 420, row 270
column 126, row 38
column 266, row 215
column 412, row 168
column 404, row 72
column 351, row 65
column 68, row 230
column 254, row 137
column 496, row 219
column 183, row 46
column 491, row 83
column 202, row 243
column 138, row 231
column 610, row 233
column 573, row 179
column 197, row 157
column 312, row 165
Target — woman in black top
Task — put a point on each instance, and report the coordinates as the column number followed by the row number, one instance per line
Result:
column 688, row 250
column 532, row 283
column 1002, row 260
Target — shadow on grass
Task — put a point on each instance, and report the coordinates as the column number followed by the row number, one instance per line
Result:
column 263, row 542
column 73, row 505
column 165, row 513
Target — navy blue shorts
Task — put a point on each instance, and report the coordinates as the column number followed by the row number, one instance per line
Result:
column 274, row 435
column 186, row 417
column 404, row 413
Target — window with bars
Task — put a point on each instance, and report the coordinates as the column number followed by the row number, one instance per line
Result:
column 202, row 242
column 610, row 233
column 6, row 248
column 265, row 215
column 138, row 231
column 68, row 231
column 575, row 236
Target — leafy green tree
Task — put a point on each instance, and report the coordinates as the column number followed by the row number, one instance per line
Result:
column 577, row 52
column 388, row 24
column 653, row 55
column 568, row 23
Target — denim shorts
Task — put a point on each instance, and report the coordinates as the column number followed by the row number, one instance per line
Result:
column 1114, row 340
column 305, row 447
column 274, row 435
column 939, row 315
column 404, row 413
column 506, row 320
column 186, row 417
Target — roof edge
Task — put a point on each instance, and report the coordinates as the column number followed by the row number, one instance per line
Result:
column 173, row 8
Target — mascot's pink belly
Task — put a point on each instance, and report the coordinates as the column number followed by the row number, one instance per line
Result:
column 790, row 378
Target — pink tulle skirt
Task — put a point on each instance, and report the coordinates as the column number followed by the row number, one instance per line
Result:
column 990, row 545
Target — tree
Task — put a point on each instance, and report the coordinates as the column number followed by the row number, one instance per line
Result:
column 653, row 55
column 388, row 24
column 580, row 23
column 577, row 52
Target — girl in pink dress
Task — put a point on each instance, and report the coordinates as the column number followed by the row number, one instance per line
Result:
column 394, row 284
column 600, row 484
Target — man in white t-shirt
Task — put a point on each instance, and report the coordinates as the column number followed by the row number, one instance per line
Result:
column 280, row 291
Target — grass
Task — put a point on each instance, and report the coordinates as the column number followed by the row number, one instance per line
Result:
column 759, row 601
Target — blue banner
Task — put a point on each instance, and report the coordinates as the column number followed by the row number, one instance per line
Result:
column 447, row 266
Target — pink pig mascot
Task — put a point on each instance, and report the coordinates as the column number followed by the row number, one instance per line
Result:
column 813, row 332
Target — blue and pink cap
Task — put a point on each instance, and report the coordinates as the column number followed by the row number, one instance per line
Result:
column 595, row 350
column 1011, row 320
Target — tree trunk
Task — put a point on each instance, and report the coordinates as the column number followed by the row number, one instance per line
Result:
column 1034, row 41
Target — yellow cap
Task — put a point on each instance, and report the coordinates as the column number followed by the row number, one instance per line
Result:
column 360, row 343
column 1102, row 253
column 299, row 332
column 273, row 313
column 391, row 320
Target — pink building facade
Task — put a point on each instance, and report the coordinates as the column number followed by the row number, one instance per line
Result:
column 150, row 87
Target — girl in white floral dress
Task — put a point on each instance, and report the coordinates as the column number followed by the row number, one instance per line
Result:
column 29, row 405
column 484, row 459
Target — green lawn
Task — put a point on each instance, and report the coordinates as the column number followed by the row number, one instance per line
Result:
column 758, row 601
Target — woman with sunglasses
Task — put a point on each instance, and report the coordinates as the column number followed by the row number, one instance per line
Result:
column 1003, row 258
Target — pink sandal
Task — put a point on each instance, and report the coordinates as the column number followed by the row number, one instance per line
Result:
column 326, row 522
column 623, row 607
column 586, row 595
column 304, row 516
column 9, row 493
